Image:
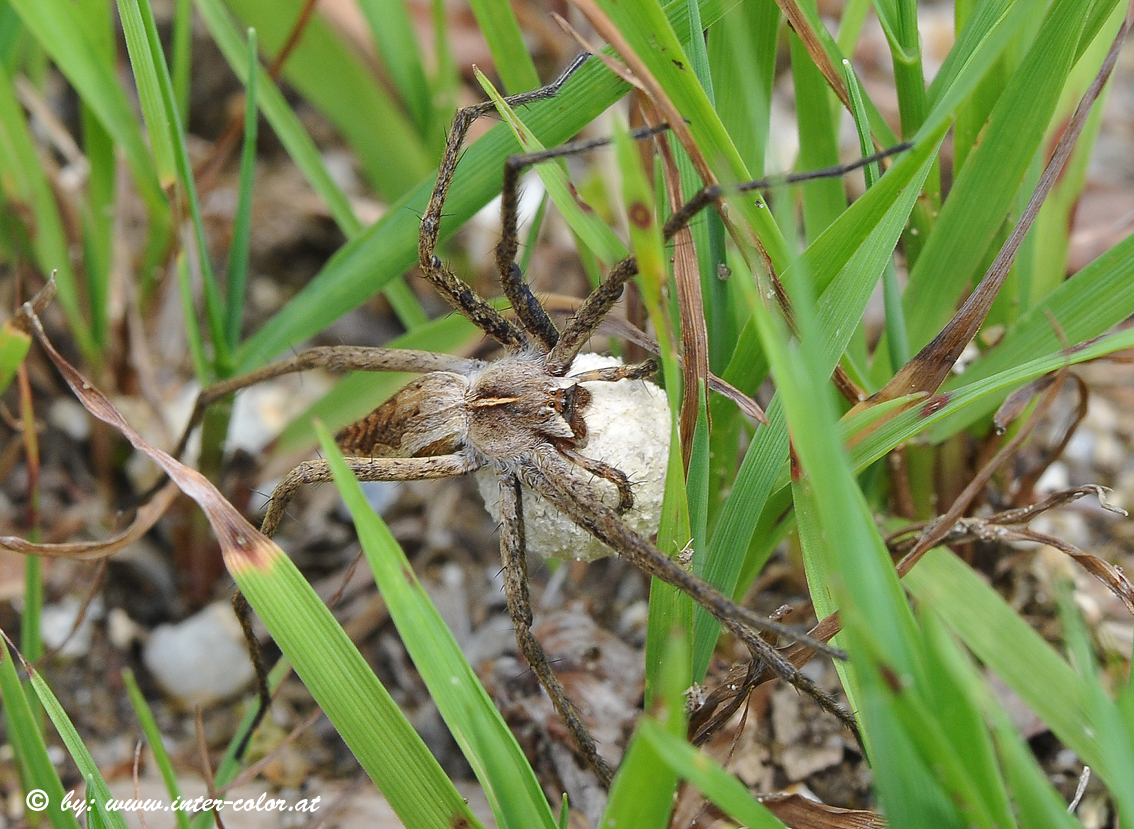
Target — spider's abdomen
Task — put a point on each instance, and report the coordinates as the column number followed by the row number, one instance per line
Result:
column 427, row 417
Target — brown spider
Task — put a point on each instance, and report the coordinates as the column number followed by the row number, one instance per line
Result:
column 520, row 416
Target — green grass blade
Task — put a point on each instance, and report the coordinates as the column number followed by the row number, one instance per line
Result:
column 393, row 34
column 98, row 793
column 1038, row 804
column 182, row 55
column 506, row 43
column 824, row 200
column 241, row 245
column 899, row 22
column 168, row 138
column 898, row 339
column 329, row 74
column 1115, row 739
column 158, row 125
column 669, row 608
column 477, row 726
column 1016, row 653
column 25, row 736
column 642, row 792
column 157, row 746
column 335, row 673
column 940, row 409
column 22, row 182
column 14, row 346
column 713, row 781
column 850, row 274
column 77, row 58
column 301, row 148
column 987, row 184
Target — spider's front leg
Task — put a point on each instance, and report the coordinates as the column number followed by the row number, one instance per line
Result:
column 514, row 560
column 455, row 291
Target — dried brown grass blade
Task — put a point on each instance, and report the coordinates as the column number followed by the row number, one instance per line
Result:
column 241, row 544
column 144, row 520
column 800, row 813
column 691, row 307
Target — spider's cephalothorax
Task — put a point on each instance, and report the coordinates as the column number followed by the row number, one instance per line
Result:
column 515, row 405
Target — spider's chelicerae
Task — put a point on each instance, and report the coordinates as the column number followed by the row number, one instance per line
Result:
column 522, row 416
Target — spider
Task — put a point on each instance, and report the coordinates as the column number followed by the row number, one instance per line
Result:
column 522, row 416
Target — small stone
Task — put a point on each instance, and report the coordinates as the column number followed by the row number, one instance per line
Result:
column 201, row 660
column 58, row 620
column 69, row 417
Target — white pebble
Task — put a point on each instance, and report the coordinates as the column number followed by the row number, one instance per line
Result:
column 202, row 659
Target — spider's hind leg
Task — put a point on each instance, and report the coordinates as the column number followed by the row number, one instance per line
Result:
column 514, row 559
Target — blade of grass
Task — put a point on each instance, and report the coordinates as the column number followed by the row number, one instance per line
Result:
column 988, row 182
column 850, row 276
column 1016, row 653
column 669, row 608
column 98, row 793
column 1115, row 739
column 642, row 792
column 242, row 223
column 393, row 34
column 95, row 80
column 25, row 735
column 157, row 746
column 329, row 74
column 167, row 135
column 506, row 43
column 302, row 150
column 23, row 183
column 703, row 772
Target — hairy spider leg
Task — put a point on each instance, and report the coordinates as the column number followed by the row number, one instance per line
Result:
column 548, row 474
column 335, row 358
column 458, row 294
column 530, row 311
column 513, row 555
